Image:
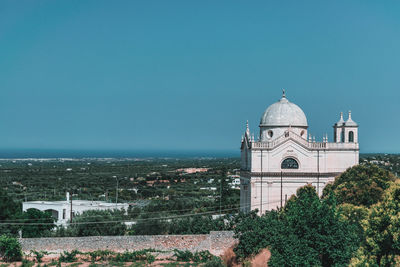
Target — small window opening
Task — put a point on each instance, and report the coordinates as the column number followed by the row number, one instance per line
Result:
column 351, row 136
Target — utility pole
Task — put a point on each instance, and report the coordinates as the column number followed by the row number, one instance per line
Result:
column 318, row 173
column 116, row 195
column 116, row 192
column 281, row 188
column 261, row 176
column 71, row 210
column 220, row 196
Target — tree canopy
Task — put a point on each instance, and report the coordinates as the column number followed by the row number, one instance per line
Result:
column 43, row 223
column 361, row 185
column 307, row 232
column 382, row 228
column 96, row 223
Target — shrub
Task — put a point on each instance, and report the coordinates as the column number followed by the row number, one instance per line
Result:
column 183, row 255
column 214, row 262
column 10, row 249
column 91, row 223
column 198, row 256
column 69, row 256
column 27, row 263
column 100, row 255
column 39, row 254
column 140, row 255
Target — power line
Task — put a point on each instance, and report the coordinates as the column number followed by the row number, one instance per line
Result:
column 136, row 220
column 144, row 213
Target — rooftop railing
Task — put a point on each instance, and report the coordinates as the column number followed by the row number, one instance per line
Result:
column 302, row 141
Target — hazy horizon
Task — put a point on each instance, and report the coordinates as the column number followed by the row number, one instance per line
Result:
column 121, row 153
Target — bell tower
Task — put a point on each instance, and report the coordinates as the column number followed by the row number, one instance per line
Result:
column 338, row 132
column 350, row 130
column 345, row 131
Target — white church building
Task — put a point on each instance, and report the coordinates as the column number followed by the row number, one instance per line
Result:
column 285, row 156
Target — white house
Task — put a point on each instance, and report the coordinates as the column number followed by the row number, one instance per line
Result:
column 61, row 210
column 285, row 157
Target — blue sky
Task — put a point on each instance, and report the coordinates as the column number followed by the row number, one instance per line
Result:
column 186, row 75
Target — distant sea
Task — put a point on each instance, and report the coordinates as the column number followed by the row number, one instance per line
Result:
column 65, row 153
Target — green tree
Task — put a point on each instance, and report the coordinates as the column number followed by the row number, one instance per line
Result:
column 317, row 225
column 10, row 249
column 307, row 232
column 354, row 215
column 38, row 223
column 150, row 225
column 361, row 185
column 226, row 194
column 196, row 224
column 97, row 223
column 9, row 210
column 382, row 228
column 257, row 232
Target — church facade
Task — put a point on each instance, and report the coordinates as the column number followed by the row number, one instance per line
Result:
column 285, row 157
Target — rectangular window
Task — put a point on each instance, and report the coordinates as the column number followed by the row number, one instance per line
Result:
column 64, row 211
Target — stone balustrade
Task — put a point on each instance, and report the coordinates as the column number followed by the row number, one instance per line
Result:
column 302, row 141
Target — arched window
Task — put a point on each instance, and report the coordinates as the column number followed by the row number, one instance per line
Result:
column 290, row 163
column 351, row 136
column 342, row 137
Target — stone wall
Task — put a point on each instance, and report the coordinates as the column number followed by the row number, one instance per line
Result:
column 215, row 242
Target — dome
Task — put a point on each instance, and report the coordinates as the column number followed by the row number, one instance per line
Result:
column 284, row 113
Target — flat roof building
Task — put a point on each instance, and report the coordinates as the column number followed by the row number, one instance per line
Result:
column 61, row 210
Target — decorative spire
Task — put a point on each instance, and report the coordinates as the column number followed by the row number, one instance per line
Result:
column 350, row 121
column 283, row 93
column 247, row 133
column 341, row 121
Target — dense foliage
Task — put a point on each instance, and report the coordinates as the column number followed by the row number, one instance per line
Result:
column 307, row 232
column 362, row 230
column 157, row 188
column 96, row 179
column 32, row 223
column 361, row 185
column 10, row 249
column 382, row 229
column 38, row 223
column 95, row 223
column 356, row 222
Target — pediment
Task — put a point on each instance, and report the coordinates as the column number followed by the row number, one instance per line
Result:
column 291, row 146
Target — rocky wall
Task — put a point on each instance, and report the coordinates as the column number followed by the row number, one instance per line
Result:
column 215, row 242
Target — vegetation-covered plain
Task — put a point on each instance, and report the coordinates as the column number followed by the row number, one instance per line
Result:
column 355, row 223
